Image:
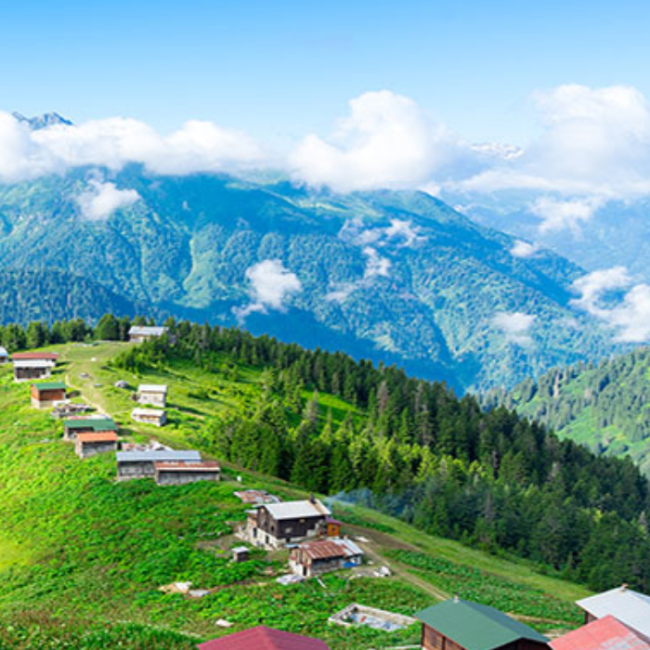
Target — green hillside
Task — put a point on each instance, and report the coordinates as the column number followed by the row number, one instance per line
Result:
column 82, row 556
column 393, row 276
column 605, row 407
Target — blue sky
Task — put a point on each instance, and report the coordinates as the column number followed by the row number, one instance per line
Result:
column 281, row 69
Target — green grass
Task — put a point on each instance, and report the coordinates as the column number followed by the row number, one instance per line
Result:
column 77, row 546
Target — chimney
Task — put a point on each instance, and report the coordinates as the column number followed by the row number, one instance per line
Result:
column 312, row 498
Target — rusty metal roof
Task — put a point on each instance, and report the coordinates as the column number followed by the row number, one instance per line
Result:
column 329, row 548
column 180, row 466
column 603, row 634
column 49, row 356
column 98, row 436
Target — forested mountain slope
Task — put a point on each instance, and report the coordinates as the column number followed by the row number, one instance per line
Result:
column 393, row 276
column 605, row 407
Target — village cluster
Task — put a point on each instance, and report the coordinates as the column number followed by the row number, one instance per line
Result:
column 614, row 620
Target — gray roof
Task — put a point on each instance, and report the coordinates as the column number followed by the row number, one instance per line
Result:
column 145, row 330
column 3, row 352
column 630, row 607
column 296, row 510
column 153, row 456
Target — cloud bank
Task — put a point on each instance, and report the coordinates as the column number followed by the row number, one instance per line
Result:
column 270, row 285
column 102, row 199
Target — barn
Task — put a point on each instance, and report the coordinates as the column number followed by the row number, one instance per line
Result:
column 462, row 625
column 91, row 444
column 48, row 394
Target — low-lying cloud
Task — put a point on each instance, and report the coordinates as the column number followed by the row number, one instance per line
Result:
column 515, row 326
column 102, row 199
column 270, row 286
column 524, row 250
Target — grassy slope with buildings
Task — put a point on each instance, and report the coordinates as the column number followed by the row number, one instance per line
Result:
column 82, row 556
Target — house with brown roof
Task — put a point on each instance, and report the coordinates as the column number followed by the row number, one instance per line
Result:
column 273, row 525
column 91, row 444
column 322, row 555
column 33, row 365
column 47, row 394
column 182, row 472
column 264, row 638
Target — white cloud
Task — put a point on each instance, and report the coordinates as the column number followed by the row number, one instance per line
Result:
column 195, row 147
column 271, row 284
column 524, row 250
column 102, row 199
column 376, row 265
column 629, row 316
column 559, row 214
column 515, row 326
column 387, row 141
column 341, row 292
column 406, row 231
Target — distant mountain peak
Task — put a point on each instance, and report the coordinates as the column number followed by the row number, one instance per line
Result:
column 42, row 121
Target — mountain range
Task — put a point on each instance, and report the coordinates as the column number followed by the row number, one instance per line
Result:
column 398, row 277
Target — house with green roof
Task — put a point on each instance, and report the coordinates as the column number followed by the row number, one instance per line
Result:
column 46, row 394
column 462, row 625
column 90, row 424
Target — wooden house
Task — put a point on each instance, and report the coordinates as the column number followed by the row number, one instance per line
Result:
column 322, row 555
column 88, row 424
column 142, row 464
column 142, row 333
column 274, row 525
column 4, row 355
column 48, row 394
column 264, row 638
column 182, row 472
column 29, row 366
column 462, row 625
column 602, row 634
column 630, row 607
column 155, row 417
column 90, row 444
column 152, row 394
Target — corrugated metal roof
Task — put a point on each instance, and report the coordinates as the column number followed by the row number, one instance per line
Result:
column 603, row 634
column 154, row 456
column 179, row 466
column 97, row 424
column 152, row 388
column 476, row 627
column 98, row 436
column 50, row 356
column 324, row 549
column 49, row 385
column 145, row 330
column 628, row 606
column 296, row 510
column 264, row 638
column 33, row 363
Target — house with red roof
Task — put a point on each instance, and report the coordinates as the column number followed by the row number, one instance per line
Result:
column 602, row 634
column 264, row 638
column 33, row 365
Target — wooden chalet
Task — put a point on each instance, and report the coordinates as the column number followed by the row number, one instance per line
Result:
column 91, row 444
column 142, row 464
column 76, row 425
column 182, row 472
column 48, row 394
column 630, row 607
column 155, row 417
column 29, row 366
column 274, row 525
column 152, row 394
column 602, row 634
column 322, row 555
column 462, row 625
column 142, row 333
column 264, row 638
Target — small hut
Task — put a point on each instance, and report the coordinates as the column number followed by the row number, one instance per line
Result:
column 48, row 394
column 80, row 424
column 155, row 417
column 152, row 394
column 90, row 444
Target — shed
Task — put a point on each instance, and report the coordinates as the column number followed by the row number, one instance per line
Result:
column 602, row 634
column 273, row 525
column 257, row 497
column 142, row 464
column 141, row 333
column 156, row 417
column 323, row 555
column 75, row 425
column 48, row 394
column 264, row 638
column 154, row 394
column 182, row 472
column 4, row 355
column 630, row 607
column 240, row 553
column 90, row 444
column 462, row 625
